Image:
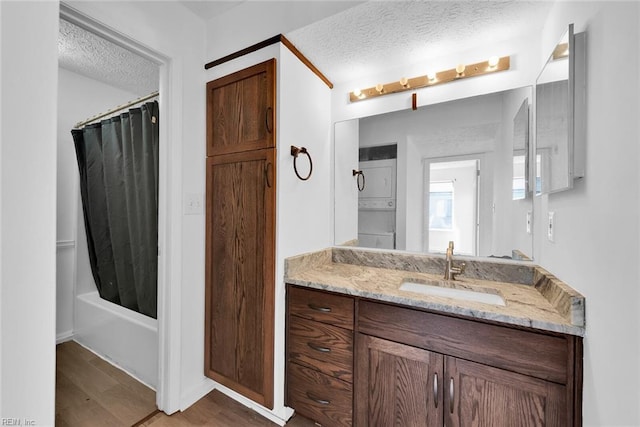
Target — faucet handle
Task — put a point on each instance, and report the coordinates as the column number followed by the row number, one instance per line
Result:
column 462, row 267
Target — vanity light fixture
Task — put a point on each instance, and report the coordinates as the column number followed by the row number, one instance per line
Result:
column 461, row 71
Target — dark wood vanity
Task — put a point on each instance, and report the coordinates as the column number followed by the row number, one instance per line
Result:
column 355, row 361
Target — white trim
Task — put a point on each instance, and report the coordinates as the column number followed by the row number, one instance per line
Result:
column 64, row 337
column 63, row 244
column 169, row 187
column 111, row 362
column 196, row 393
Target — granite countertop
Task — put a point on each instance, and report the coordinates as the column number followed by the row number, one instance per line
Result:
column 533, row 297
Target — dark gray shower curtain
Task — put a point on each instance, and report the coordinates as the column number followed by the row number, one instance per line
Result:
column 118, row 164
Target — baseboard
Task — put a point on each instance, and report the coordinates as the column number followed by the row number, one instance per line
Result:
column 207, row 385
column 196, row 393
column 64, row 337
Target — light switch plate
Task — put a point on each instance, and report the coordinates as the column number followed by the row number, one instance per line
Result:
column 529, row 216
column 551, row 226
column 193, row 204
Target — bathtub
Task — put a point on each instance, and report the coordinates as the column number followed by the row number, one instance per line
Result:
column 123, row 337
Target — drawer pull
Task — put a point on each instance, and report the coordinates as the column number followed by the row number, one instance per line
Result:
column 435, row 388
column 451, row 396
column 319, row 401
column 318, row 348
column 320, row 309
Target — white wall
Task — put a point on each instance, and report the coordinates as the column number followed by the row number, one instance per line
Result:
column 78, row 98
column 596, row 248
column 303, row 223
column 28, row 53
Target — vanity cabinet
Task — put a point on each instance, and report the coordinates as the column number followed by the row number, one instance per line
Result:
column 320, row 355
column 420, row 368
column 480, row 372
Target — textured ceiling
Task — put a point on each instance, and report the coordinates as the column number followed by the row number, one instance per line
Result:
column 378, row 34
column 85, row 53
column 374, row 35
column 208, row 9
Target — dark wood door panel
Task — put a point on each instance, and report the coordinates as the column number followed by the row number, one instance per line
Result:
column 241, row 110
column 485, row 396
column 397, row 385
column 240, row 259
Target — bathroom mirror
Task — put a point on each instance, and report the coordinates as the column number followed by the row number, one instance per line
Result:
column 520, row 176
column 556, row 154
column 443, row 172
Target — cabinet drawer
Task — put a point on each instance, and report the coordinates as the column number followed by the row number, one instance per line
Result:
column 529, row 353
column 326, row 348
column 326, row 400
column 321, row 306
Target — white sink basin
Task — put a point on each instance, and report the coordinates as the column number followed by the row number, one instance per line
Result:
column 434, row 288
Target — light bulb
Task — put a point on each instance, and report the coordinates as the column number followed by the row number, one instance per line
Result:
column 380, row 88
column 404, row 82
column 460, row 68
column 431, row 75
column 493, row 61
column 357, row 93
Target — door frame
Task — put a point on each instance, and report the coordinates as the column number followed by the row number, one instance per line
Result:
column 169, row 190
column 426, row 162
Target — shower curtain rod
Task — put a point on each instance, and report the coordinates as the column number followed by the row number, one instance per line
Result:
column 116, row 109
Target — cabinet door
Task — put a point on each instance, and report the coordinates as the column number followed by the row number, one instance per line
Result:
column 240, row 262
column 480, row 395
column 241, row 110
column 396, row 384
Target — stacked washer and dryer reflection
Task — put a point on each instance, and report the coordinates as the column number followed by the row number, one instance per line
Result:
column 377, row 201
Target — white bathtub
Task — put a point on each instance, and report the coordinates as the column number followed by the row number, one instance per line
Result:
column 124, row 337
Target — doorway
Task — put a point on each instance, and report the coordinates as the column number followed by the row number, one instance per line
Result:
column 150, row 332
column 451, row 201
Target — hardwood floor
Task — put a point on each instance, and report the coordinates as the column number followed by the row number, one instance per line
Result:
column 91, row 392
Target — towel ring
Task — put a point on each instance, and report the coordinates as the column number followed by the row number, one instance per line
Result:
column 359, row 174
column 294, row 152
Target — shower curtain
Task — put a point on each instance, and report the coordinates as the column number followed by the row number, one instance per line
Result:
column 118, row 164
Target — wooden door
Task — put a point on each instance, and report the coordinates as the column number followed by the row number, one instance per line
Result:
column 479, row 395
column 397, row 385
column 241, row 110
column 240, row 276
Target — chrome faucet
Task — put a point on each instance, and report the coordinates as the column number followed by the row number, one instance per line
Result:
column 450, row 270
